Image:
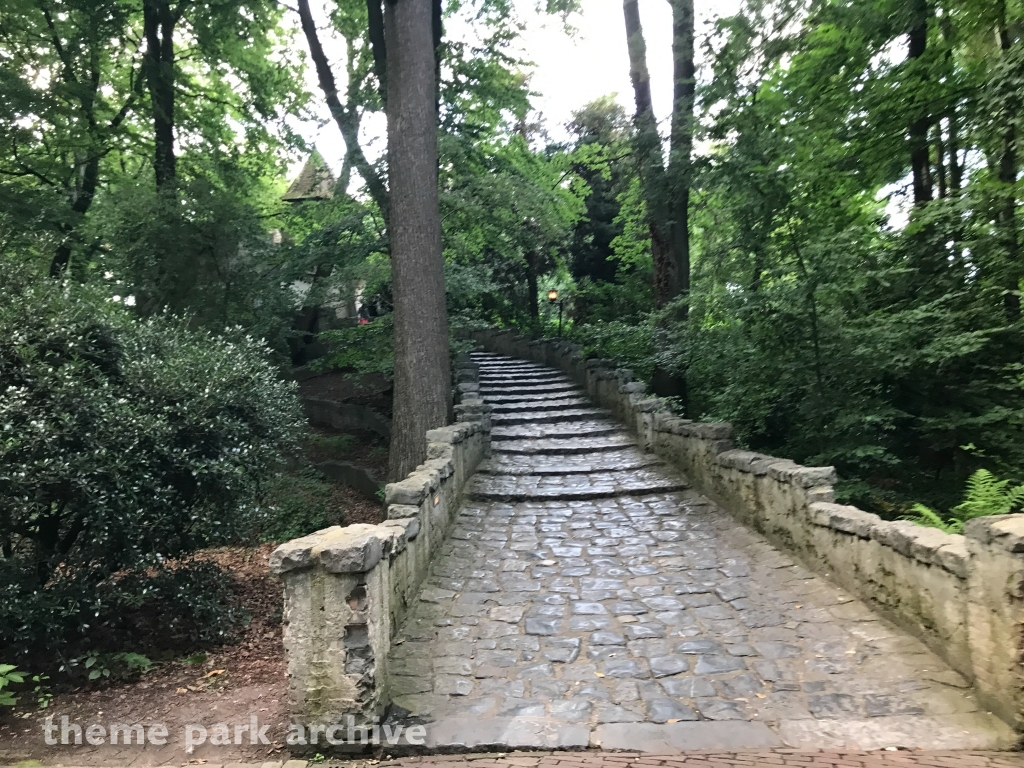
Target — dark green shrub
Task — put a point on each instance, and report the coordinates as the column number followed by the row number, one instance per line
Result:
column 297, row 504
column 123, row 443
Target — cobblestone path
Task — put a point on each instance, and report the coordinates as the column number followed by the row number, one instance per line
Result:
column 587, row 596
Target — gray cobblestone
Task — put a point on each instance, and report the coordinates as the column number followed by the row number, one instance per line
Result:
column 634, row 600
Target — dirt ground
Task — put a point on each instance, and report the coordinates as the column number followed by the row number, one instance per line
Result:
column 357, row 508
column 233, row 684
column 368, row 450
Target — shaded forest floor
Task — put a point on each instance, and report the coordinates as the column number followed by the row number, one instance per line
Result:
column 228, row 684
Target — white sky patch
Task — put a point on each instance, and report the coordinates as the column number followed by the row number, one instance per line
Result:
column 567, row 72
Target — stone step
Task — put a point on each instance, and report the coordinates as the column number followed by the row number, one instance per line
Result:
column 609, row 461
column 498, row 365
column 554, row 431
column 504, row 419
column 598, row 485
column 535, row 397
column 504, row 371
column 528, row 389
column 534, row 406
column 542, row 372
column 521, row 381
column 576, row 446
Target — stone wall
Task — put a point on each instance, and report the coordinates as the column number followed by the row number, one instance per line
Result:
column 347, row 589
column 962, row 595
column 345, row 416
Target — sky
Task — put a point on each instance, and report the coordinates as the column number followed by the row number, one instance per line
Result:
column 568, row 72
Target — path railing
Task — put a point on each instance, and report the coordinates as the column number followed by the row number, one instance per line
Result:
column 347, row 589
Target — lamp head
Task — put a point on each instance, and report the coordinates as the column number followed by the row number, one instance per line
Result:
column 552, row 295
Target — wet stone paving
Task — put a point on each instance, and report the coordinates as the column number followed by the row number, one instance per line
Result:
column 584, row 584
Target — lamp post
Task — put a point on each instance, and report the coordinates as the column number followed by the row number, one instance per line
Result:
column 552, row 298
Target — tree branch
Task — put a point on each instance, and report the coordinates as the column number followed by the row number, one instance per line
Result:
column 347, row 120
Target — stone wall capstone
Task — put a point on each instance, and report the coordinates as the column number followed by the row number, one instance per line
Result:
column 963, row 595
column 347, row 589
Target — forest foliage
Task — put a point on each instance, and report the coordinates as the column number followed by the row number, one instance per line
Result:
column 852, row 263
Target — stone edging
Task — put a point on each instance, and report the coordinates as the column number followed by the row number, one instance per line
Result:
column 962, row 595
column 347, row 589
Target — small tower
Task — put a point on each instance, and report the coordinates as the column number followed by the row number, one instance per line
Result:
column 314, row 182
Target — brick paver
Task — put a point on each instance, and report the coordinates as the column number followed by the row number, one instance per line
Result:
column 779, row 758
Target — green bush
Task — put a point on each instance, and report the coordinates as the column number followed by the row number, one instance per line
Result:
column 123, row 443
column 629, row 345
column 9, row 674
column 297, row 504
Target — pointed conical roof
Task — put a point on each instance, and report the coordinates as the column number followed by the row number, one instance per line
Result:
column 314, row 182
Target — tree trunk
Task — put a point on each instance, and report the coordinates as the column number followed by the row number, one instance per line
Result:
column 85, row 190
column 422, row 394
column 920, row 121
column 375, row 19
column 953, row 150
column 532, row 305
column 675, row 280
column 680, row 171
column 1008, row 204
column 940, row 161
column 158, row 25
column 649, row 154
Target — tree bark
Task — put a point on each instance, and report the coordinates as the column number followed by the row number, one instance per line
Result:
column 437, row 32
column 680, row 171
column 346, row 118
column 920, row 121
column 158, row 26
column 1008, row 204
column 86, row 181
column 649, row 154
column 422, row 394
column 375, row 18
column 940, row 161
column 532, row 304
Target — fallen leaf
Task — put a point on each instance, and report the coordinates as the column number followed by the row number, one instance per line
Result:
column 599, row 674
column 181, row 690
column 672, row 720
column 214, row 672
column 759, row 695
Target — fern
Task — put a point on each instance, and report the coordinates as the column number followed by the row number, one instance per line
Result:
column 929, row 518
column 985, row 495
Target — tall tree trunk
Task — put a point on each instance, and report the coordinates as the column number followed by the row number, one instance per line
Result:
column 956, row 171
column 940, row 161
column 86, row 181
column 649, row 154
column 680, row 170
column 532, row 304
column 375, row 19
column 158, row 26
column 678, row 176
column 1008, row 204
column 920, row 121
column 422, row 395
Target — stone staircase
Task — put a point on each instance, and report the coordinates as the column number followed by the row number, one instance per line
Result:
column 549, row 444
